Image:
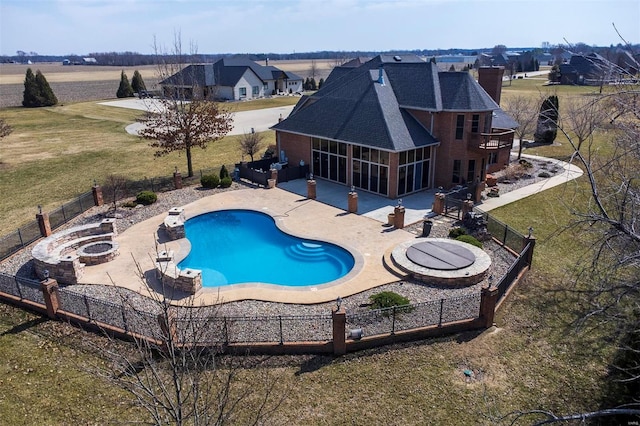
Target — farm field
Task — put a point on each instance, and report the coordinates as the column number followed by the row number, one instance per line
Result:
column 532, row 359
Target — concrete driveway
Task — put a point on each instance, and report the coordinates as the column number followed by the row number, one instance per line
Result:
column 259, row 120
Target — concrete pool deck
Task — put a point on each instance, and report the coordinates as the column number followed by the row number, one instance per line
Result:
column 294, row 213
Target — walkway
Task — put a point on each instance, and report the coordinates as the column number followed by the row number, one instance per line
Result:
column 259, row 120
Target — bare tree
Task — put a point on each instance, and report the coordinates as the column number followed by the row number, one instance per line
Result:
column 524, row 111
column 313, row 69
column 115, row 186
column 582, row 117
column 172, row 367
column 250, row 144
column 187, row 118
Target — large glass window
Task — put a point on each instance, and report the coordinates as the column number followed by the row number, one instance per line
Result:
column 242, row 91
column 455, row 178
column 459, row 126
column 475, row 123
column 329, row 159
column 471, row 171
column 370, row 169
column 413, row 170
column 255, row 91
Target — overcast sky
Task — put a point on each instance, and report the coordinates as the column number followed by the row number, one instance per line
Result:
column 62, row 27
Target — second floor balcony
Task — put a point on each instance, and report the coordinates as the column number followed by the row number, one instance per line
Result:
column 492, row 141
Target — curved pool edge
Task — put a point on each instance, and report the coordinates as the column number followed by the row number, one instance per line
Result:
column 184, row 248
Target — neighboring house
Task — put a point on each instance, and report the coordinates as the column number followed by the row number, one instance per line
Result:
column 590, row 70
column 232, row 79
column 396, row 126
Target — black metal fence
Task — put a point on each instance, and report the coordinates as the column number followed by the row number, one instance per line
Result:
column 514, row 270
column 437, row 312
column 259, row 172
column 455, row 197
column 502, row 232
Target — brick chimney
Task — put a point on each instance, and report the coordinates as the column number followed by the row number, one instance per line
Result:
column 490, row 78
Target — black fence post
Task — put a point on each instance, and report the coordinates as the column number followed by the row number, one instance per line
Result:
column 124, row 318
column 281, row 337
column 441, row 311
column 225, row 331
column 393, row 321
column 86, row 304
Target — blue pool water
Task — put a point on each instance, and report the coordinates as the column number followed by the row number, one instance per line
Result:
column 240, row 246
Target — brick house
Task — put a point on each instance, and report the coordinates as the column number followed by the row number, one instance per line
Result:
column 396, row 125
column 232, row 79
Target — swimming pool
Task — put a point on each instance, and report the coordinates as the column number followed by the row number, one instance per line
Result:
column 246, row 246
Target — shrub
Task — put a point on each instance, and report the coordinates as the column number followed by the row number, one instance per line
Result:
column 387, row 299
column 130, row 204
column 469, row 239
column 544, row 174
column 456, row 232
column 146, row 198
column 525, row 164
column 223, row 172
column 210, row 181
column 225, row 182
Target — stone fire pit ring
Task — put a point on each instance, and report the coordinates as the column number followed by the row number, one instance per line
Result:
column 442, row 261
column 98, row 252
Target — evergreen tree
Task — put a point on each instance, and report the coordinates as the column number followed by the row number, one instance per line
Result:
column 137, row 84
column 320, row 83
column 452, row 68
column 30, row 94
column 312, row 84
column 37, row 92
column 47, row 98
column 307, row 84
column 547, row 128
column 124, row 90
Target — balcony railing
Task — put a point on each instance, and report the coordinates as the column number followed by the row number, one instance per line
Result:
column 492, row 141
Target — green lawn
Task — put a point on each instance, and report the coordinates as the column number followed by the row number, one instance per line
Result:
column 55, row 154
column 533, row 360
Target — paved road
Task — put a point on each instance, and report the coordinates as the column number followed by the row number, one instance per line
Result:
column 259, row 120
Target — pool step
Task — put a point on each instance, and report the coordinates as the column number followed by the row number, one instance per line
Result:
column 307, row 251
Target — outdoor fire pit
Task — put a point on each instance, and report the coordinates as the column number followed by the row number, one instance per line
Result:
column 98, row 252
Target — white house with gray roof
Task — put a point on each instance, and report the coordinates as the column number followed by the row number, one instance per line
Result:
column 232, row 79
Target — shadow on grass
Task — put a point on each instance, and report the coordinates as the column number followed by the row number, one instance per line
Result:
column 19, row 328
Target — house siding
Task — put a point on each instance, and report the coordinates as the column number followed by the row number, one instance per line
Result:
column 295, row 147
column 248, row 80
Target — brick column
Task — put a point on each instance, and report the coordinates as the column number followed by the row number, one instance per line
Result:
column 311, row 189
column 352, row 202
column 43, row 223
column 97, row 195
column 339, row 318
column 398, row 218
column 479, row 188
column 168, row 326
column 274, row 175
column 488, row 301
column 438, row 203
column 177, row 179
column 49, row 288
column 467, row 206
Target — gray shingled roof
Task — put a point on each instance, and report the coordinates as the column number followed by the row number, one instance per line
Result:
column 354, row 107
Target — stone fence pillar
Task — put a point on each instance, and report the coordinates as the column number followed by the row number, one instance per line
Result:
column 488, row 301
column 168, row 326
column 311, row 189
column 177, row 179
column 97, row 195
column 398, row 218
column 339, row 318
column 467, row 206
column 43, row 223
column 49, row 288
column 352, row 202
column 438, row 203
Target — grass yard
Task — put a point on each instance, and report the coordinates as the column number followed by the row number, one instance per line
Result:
column 534, row 359
column 55, row 154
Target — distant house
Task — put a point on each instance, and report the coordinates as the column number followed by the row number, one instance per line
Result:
column 396, row 125
column 232, row 79
column 589, row 70
column 89, row 61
